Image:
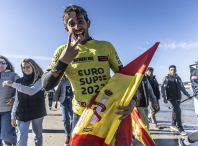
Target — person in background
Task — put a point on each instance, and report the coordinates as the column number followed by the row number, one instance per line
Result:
column 143, row 94
column 29, row 104
column 171, row 91
column 50, row 95
column 7, row 134
column 155, row 86
column 64, row 95
column 194, row 80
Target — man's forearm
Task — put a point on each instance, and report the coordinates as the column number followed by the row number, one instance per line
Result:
column 150, row 92
column 183, row 89
column 51, row 78
column 163, row 93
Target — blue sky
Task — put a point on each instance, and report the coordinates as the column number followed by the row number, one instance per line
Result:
column 35, row 29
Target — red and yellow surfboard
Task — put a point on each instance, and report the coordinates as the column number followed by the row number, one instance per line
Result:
column 99, row 125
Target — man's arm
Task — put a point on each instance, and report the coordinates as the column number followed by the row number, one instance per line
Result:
column 114, row 59
column 183, row 89
column 158, row 91
column 194, row 80
column 51, row 78
column 150, row 91
column 163, row 88
column 63, row 55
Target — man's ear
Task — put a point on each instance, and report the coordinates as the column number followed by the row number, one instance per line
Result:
column 88, row 23
column 66, row 29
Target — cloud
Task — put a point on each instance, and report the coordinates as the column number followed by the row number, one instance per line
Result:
column 141, row 48
column 24, row 56
column 181, row 45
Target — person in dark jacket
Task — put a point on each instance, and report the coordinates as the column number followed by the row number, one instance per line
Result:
column 171, row 91
column 155, row 86
column 194, row 80
column 29, row 104
column 50, row 95
column 143, row 94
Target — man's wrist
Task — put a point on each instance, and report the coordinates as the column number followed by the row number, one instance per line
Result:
column 66, row 62
column 11, row 83
column 60, row 66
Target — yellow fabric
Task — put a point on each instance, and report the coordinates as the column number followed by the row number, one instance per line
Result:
column 108, row 125
column 86, row 73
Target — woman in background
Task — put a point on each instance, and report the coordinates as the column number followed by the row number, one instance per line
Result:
column 7, row 134
column 29, row 104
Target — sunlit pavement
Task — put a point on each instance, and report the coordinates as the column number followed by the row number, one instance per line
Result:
column 167, row 137
column 53, row 131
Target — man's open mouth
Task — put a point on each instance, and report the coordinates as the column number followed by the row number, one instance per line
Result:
column 80, row 35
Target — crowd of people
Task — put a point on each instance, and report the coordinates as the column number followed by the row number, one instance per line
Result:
column 78, row 71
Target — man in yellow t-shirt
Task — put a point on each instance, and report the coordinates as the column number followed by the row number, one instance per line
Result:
column 86, row 61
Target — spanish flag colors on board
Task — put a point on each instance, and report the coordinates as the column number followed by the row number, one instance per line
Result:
column 140, row 131
column 99, row 125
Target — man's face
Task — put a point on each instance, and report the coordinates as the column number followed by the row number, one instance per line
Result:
column 149, row 72
column 172, row 71
column 78, row 27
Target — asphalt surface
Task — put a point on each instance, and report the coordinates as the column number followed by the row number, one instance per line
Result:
column 165, row 136
column 54, row 135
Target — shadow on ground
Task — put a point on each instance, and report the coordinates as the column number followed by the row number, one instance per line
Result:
column 49, row 131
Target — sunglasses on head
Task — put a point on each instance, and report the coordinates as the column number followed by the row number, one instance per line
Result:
column 3, row 62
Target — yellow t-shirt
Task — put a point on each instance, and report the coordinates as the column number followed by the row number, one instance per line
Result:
column 89, row 71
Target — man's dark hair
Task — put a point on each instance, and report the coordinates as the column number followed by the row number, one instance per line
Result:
column 79, row 11
column 172, row 66
column 150, row 69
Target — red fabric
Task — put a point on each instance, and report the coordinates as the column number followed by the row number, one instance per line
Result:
column 92, row 100
column 124, row 135
column 97, row 115
column 145, row 137
column 101, row 105
column 134, row 67
column 86, row 140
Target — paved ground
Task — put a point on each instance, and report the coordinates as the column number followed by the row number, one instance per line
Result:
column 166, row 137
column 53, row 133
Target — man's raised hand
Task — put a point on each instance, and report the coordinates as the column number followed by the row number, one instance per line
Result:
column 69, row 53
